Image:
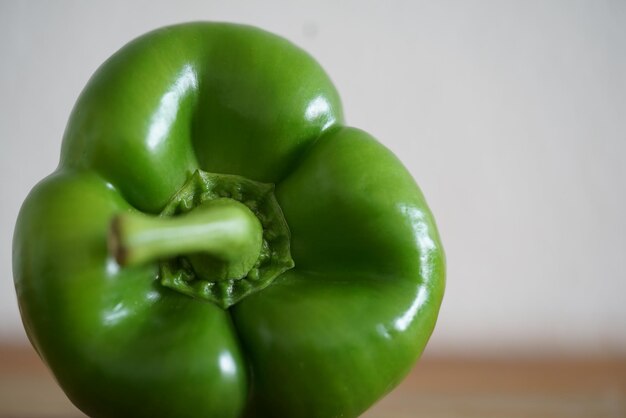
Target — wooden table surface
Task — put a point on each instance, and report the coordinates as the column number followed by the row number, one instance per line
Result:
column 437, row 388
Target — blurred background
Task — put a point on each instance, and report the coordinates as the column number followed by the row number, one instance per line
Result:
column 510, row 115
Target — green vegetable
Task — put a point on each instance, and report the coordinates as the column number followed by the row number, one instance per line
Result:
column 217, row 243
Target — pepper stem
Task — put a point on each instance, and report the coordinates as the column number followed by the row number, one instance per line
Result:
column 223, row 234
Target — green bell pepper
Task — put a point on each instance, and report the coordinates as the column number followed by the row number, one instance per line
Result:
column 217, row 243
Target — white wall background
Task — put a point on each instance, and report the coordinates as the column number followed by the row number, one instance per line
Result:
column 511, row 115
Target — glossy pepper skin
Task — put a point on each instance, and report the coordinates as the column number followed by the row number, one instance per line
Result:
column 327, row 338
